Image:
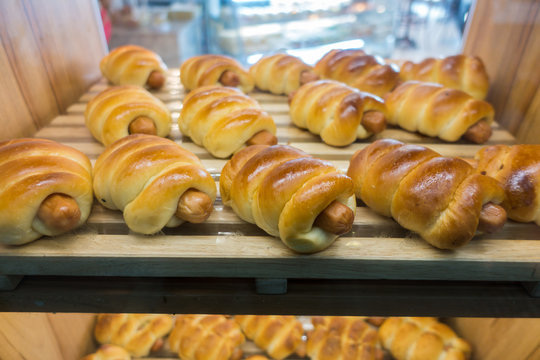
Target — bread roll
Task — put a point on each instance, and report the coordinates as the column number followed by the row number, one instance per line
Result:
column 359, row 70
column 279, row 336
column 148, row 177
column 206, row 337
column 137, row 333
column 336, row 112
column 215, row 70
column 462, row 72
column 412, row 338
column 342, row 338
column 223, row 119
column 281, row 73
column 109, row 352
column 440, row 198
column 111, row 114
column 134, row 65
column 436, row 111
column 285, row 191
column 45, row 189
column 517, row 167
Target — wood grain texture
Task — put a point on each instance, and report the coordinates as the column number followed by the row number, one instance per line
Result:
column 49, row 56
column 506, row 35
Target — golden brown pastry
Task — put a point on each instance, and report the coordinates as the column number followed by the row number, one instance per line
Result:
column 440, row 198
column 224, row 120
column 123, row 110
column 155, row 182
column 137, row 333
column 338, row 113
column 280, row 336
column 206, row 337
column 517, row 167
column 434, row 110
column 45, row 189
column 462, row 72
column 342, row 338
column 281, row 74
column 359, row 70
column 134, row 65
column 411, row 338
column 215, row 70
column 109, row 352
column 305, row 201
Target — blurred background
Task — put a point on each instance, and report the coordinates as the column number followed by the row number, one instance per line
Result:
column 247, row 29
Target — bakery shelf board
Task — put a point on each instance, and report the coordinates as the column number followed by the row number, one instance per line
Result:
column 377, row 250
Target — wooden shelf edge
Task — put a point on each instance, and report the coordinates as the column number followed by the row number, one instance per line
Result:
column 239, row 296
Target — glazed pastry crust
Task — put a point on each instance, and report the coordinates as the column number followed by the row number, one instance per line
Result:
column 359, row 70
column 109, row 114
column 109, row 352
column 206, row 70
column 334, row 111
column 131, row 65
column 434, row 110
column 32, row 169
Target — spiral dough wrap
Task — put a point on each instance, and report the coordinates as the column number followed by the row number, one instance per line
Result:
column 283, row 190
column 145, row 176
column 32, row 170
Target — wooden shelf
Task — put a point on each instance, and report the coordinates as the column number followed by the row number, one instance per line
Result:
column 104, row 253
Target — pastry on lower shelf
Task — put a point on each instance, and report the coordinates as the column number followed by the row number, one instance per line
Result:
column 279, row 336
column 206, row 337
column 45, row 189
column 109, row 352
column 436, row 111
column 281, row 74
column 139, row 334
column 338, row 113
column 422, row 338
column 154, row 182
column 359, row 70
column 224, row 120
column 218, row 70
column 305, row 201
column 342, row 338
column 123, row 110
column 134, row 65
column 462, row 72
column 441, row 198
column 517, row 167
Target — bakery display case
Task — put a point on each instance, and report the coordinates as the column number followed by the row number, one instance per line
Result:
column 225, row 265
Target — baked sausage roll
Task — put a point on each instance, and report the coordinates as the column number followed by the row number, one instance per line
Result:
column 217, row 70
column 338, row 113
column 281, row 74
column 155, row 182
column 436, row 111
column 45, row 189
column 119, row 111
column 134, row 65
column 440, row 198
column 206, row 337
column 342, row 338
column 517, row 167
column 280, row 336
column 359, row 70
column 422, row 338
column 224, row 120
column 462, row 72
column 305, row 201
column 137, row 333
column 109, row 352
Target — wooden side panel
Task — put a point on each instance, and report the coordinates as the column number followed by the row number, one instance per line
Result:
column 73, row 333
column 49, row 56
column 506, row 35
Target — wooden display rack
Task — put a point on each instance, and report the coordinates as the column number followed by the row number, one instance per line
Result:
column 229, row 266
